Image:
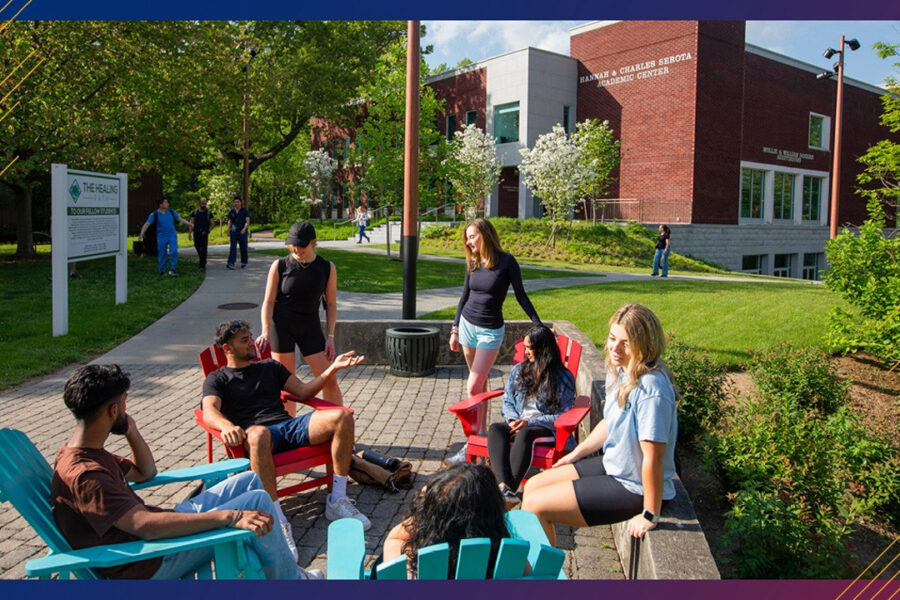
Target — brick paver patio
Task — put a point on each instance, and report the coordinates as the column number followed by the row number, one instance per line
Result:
column 404, row 417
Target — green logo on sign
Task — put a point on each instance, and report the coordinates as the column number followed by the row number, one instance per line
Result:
column 74, row 191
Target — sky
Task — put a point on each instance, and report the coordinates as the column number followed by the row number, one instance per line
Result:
column 801, row 40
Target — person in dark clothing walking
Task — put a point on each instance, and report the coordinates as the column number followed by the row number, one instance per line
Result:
column 203, row 222
column 662, row 252
column 238, row 225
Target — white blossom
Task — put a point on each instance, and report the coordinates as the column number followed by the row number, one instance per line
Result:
column 475, row 168
column 319, row 169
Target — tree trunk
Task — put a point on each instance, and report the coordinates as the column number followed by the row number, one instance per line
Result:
column 24, row 236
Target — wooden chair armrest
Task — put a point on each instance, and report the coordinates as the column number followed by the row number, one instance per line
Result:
column 120, row 554
column 474, row 401
column 346, row 549
column 209, row 473
column 316, row 403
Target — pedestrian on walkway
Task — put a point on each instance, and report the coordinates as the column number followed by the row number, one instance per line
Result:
column 238, row 225
column 203, row 222
column 296, row 286
column 362, row 221
column 166, row 235
column 94, row 505
column 478, row 326
column 662, row 252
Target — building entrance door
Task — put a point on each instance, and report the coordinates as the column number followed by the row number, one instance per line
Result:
column 508, row 193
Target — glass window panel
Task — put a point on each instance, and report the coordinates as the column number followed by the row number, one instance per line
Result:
column 506, row 123
column 815, row 131
column 451, row 126
column 471, row 117
column 784, row 186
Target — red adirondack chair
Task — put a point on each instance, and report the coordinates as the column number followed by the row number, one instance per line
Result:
column 291, row 461
column 474, row 412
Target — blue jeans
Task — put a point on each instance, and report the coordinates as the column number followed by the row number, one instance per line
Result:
column 161, row 244
column 241, row 492
column 237, row 238
column 661, row 255
column 362, row 233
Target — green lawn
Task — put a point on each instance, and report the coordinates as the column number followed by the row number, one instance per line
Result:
column 373, row 273
column 96, row 323
column 728, row 320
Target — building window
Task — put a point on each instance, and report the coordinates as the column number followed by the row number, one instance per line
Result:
column 565, row 122
column 451, row 126
column 506, row 123
column 784, row 196
column 471, row 117
column 752, row 263
column 782, row 266
column 811, row 266
column 346, row 147
column 752, row 193
column 819, row 131
column 812, row 198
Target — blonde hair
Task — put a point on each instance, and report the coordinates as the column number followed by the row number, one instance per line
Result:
column 490, row 245
column 646, row 343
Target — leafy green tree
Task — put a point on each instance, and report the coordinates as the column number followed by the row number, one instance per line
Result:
column 865, row 268
column 378, row 153
column 598, row 157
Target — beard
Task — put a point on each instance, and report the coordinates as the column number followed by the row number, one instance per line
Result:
column 120, row 426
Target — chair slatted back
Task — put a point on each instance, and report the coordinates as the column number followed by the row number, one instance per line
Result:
column 25, row 482
column 569, row 352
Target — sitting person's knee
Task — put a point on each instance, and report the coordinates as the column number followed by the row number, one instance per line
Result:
column 259, row 437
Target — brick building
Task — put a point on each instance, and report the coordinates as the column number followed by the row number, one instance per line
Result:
column 728, row 143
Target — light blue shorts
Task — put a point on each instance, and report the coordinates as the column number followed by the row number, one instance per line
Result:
column 481, row 338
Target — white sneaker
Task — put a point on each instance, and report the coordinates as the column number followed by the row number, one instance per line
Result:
column 312, row 573
column 459, row 457
column 344, row 508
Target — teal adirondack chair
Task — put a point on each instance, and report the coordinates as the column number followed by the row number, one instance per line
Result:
column 25, row 482
column 347, row 552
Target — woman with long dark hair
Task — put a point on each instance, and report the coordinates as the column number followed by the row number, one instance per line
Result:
column 539, row 390
column 478, row 327
column 633, row 477
column 459, row 502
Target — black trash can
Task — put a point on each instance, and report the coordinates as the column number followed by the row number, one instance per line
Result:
column 412, row 349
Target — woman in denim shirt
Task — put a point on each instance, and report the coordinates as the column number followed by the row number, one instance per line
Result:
column 539, row 390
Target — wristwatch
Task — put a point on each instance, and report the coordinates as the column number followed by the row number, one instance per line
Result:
column 650, row 516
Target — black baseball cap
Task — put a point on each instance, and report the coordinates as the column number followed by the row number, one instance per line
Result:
column 301, row 234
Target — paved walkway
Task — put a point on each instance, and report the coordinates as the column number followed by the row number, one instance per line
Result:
column 405, row 417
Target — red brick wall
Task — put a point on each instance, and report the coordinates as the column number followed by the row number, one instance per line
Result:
column 720, row 58
column 654, row 115
column 777, row 101
column 460, row 94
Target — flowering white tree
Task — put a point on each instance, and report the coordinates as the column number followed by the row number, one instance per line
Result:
column 219, row 189
column 553, row 171
column 319, row 169
column 474, row 168
column 599, row 156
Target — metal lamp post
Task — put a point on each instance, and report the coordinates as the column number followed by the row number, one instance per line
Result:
column 838, row 111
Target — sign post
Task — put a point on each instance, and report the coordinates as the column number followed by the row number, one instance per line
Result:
column 89, row 218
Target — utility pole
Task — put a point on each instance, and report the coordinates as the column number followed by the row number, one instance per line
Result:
column 409, row 243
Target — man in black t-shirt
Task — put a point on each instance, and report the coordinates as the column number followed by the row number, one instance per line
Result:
column 243, row 401
column 203, row 222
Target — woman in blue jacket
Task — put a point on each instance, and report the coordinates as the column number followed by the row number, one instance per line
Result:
column 539, row 390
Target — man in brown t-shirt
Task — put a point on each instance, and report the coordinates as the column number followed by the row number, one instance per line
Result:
column 93, row 503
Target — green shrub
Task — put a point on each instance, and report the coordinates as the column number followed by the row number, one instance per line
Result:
column 701, row 383
column 774, row 535
column 867, row 467
column 865, row 270
column 802, row 376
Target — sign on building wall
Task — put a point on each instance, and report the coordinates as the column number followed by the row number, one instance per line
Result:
column 89, row 220
column 654, row 67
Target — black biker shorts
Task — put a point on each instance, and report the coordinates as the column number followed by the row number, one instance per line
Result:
column 601, row 498
column 303, row 330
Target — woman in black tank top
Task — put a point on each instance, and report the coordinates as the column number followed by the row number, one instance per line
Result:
column 295, row 287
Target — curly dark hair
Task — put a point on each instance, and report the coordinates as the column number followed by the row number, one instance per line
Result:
column 461, row 501
column 92, row 387
column 540, row 378
column 227, row 330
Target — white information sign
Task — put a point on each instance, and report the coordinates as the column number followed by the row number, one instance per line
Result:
column 92, row 211
column 89, row 219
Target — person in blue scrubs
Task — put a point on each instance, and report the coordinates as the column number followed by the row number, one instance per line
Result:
column 166, row 236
